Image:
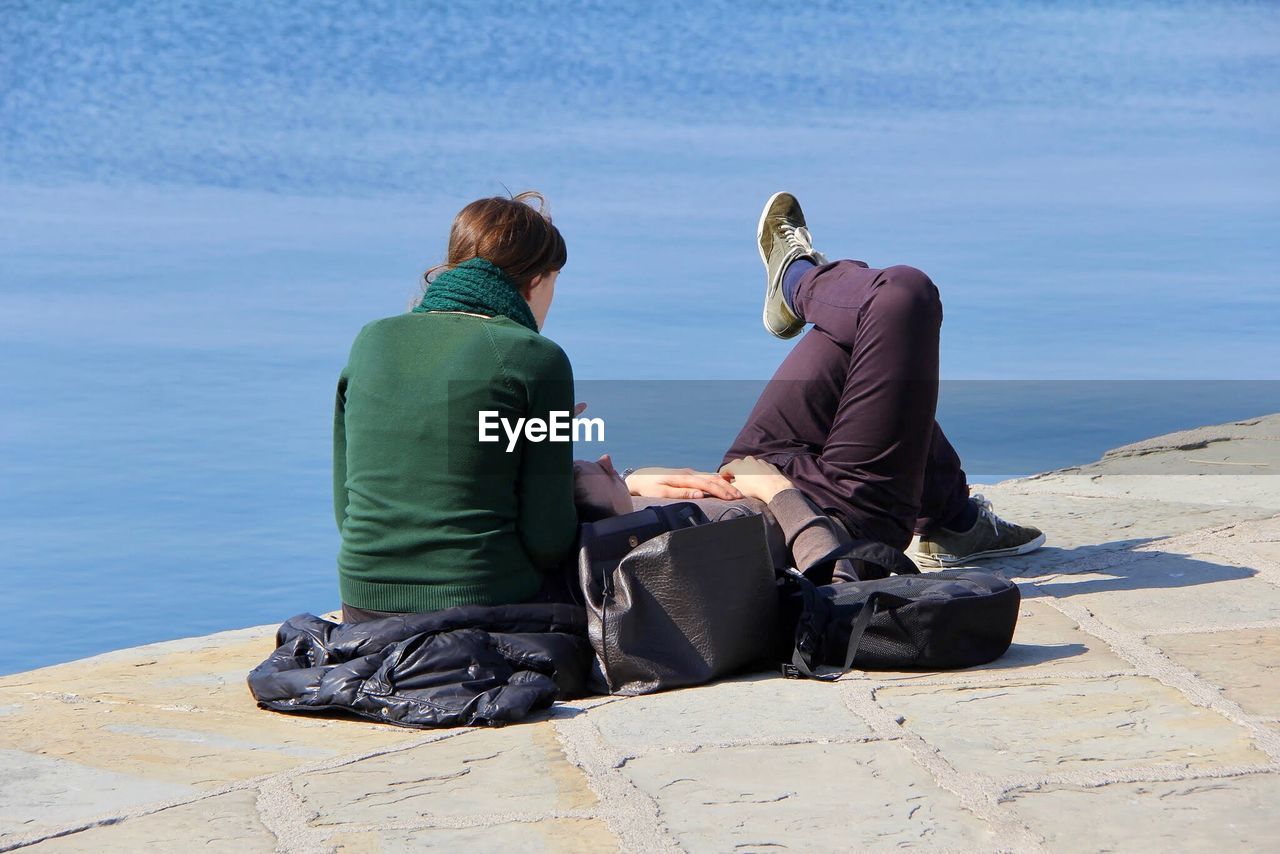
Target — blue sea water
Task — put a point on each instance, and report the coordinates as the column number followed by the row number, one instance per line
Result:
column 200, row 204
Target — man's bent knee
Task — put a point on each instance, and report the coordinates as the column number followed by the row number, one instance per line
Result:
column 911, row 280
column 908, row 292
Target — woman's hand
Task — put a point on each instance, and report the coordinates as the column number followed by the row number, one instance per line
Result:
column 655, row 482
column 756, row 478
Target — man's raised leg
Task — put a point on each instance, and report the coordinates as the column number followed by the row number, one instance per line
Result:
column 849, row 416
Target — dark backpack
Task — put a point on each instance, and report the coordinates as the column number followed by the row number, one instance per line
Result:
column 932, row 621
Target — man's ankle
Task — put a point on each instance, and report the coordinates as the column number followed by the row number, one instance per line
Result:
column 791, row 280
column 964, row 520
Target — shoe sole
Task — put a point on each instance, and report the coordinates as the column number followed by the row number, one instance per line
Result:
column 764, row 214
column 768, row 290
column 952, row 560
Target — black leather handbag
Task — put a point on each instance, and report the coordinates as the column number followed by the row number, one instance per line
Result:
column 674, row 599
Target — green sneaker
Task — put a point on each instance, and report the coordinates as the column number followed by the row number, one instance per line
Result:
column 783, row 238
column 989, row 537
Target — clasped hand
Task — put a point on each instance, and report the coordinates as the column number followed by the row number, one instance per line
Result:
column 744, row 478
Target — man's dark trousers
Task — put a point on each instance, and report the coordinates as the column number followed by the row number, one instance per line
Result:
column 849, row 415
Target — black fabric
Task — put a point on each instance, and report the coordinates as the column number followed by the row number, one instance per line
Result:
column 936, row 621
column 465, row 666
column 674, row 599
column 871, row 560
column 604, row 543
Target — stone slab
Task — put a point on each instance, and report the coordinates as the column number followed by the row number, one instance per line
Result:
column 178, row 674
column 1085, row 530
column 1220, row 463
column 1261, row 427
column 1208, row 443
column 39, row 792
column 178, row 712
column 183, row 747
column 218, row 640
column 764, row 708
column 1242, row 456
column 478, row 773
column 1234, row 464
column 1229, row 814
column 1039, row 729
column 807, row 797
column 1244, row 664
column 226, row 823
column 1269, row 552
column 1171, row 591
column 1244, row 491
column 1045, row 643
column 546, row 835
column 1258, row 543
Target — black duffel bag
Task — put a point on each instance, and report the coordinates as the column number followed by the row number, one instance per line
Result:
column 675, row 599
column 933, row 621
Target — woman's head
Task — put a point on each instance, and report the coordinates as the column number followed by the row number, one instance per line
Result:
column 516, row 235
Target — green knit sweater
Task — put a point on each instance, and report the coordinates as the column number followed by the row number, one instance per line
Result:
column 430, row 516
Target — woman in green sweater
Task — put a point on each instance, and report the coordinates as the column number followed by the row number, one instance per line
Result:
column 430, row 516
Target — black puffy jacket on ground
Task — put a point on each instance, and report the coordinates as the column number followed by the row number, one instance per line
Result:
column 466, row 666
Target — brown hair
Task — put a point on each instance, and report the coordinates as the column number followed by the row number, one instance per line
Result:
column 511, row 234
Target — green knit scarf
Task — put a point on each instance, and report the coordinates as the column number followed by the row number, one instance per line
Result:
column 478, row 287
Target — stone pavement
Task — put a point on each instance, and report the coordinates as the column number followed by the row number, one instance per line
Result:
column 1139, row 709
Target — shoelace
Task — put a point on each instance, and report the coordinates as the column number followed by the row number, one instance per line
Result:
column 986, row 512
column 797, row 236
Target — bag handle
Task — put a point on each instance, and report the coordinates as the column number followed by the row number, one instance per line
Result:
column 876, row 601
column 739, row 511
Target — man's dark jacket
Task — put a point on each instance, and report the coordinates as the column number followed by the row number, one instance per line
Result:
column 466, row 666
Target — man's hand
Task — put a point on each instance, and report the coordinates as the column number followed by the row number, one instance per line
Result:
column 756, row 478
column 656, row 482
